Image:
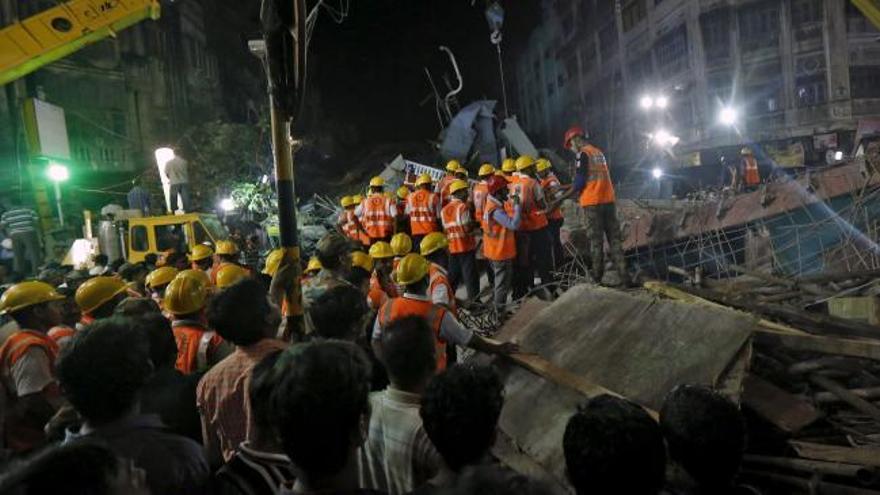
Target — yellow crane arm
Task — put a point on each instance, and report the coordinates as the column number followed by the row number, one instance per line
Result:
column 27, row 45
column 870, row 9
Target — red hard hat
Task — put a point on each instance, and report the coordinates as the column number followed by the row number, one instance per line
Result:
column 495, row 183
column 571, row 133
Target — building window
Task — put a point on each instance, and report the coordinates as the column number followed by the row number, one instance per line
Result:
column 551, row 89
column 806, row 19
column 715, row 26
column 856, row 22
column 641, row 69
column 865, row 81
column 765, row 98
column 811, row 90
column 608, row 41
column 759, row 26
column 672, row 52
column 633, row 13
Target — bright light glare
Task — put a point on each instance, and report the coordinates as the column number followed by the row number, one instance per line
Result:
column 163, row 156
column 57, row 172
column 838, row 155
column 80, row 252
column 227, row 204
column 728, row 116
column 662, row 102
column 657, row 172
column 646, row 102
column 264, row 179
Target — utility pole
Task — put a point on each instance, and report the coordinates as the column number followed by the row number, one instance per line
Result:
column 284, row 57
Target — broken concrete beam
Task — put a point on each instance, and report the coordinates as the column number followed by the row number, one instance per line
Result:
column 866, row 456
column 865, row 475
column 869, row 393
column 857, row 348
column 783, row 410
column 847, row 396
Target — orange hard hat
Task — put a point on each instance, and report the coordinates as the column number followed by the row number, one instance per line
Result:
column 571, row 133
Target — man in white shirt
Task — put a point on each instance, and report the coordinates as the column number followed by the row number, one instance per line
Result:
column 177, row 171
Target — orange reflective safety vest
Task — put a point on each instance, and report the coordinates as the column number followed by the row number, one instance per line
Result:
column 378, row 294
column 551, row 184
column 598, row 189
column 456, row 216
column 751, row 175
column 61, row 334
column 196, row 346
column 499, row 242
column 20, row 434
column 443, row 188
column 438, row 278
column 422, row 205
column 478, row 198
column 401, row 307
column 348, row 219
column 533, row 217
column 377, row 217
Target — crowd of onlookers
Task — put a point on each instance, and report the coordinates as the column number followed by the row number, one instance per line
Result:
column 355, row 405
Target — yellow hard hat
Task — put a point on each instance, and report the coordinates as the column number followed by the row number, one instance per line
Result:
column 362, row 260
column 381, row 250
column 524, row 162
column 346, row 201
column 185, row 295
column 457, row 185
column 227, row 247
column 485, row 170
column 452, row 165
column 543, row 164
column 96, row 291
column 433, row 242
column 499, row 173
column 160, row 276
column 402, row 192
column 461, row 171
column 357, row 198
column 314, row 265
column 424, row 179
column 229, row 274
column 745, row 151
column 197, row 275
column 508, row 165
column 401, row 244
column 273, row 261
column 377, row 182
column 200, row 252
column 411, row 269
column 24, row 294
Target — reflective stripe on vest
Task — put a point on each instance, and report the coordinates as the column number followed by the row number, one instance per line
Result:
column 478, row 196
column 443, row 188
column 454, row 226
column 551, row 184
column 423, row 212
column 533, row 218
column 437, row 277
column 377, row 217
column 752, row 176
column 193, row 347
column 401, row 307
column 20, row 342
column 599, row 188
column 499, row 243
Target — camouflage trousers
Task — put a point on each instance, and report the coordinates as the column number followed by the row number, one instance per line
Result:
column 602, row 224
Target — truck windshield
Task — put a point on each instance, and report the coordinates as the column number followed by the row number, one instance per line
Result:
column 215, row 228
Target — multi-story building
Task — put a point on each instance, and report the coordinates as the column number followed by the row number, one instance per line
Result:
column 801, row 74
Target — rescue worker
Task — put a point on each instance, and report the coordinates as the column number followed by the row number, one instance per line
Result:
column 198, row 348
column 202, row 257
column 443, row 184
column 381, row 285
column 478, row 194
column 361, row 271
column 230, row 274
column 377, row 212
column 97, row 298
column 312, row 267
column 413, row 274
column 423, row 208
column 158, row 280
column 401, row 245
column 349, row 224
column 461, row 174
column 458, row 225
column 508, row 167
column 750, row 173
column 226, row 252
column 533, row 245
column 595, row 191
column 554, row 193
column 27, row 364
column 273, row 261
column 434, row 248
column 401, row 221
column 499, row 239
column 333, row 252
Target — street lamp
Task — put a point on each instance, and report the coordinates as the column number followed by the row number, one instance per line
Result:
column 227, row 204
column 663, row 139
column 728, row 116
column 662, row 102
column 657, row 172
column 646, row 102
column 163, row 156
column 58, row 173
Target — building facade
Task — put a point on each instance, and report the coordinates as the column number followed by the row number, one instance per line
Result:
column 799, row 73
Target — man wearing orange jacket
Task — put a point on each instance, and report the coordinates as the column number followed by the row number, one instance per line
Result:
column 533, row 247
column 198, row 348
column 595, row 191
column 554, row 194
column 423, row 209
column 499, row 242
column 458, row 225
column 377, row 212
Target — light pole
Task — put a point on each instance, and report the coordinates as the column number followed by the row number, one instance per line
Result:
column 58, row 173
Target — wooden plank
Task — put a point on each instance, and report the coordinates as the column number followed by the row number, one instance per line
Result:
column 847, row 396
column 866, row 456
column 857, row 348
column 782, row 409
